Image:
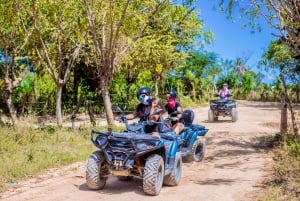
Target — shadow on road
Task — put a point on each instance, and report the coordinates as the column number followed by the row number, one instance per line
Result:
column 114, row 186
column 236, row 148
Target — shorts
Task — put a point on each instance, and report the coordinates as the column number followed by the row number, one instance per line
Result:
column 151, row 128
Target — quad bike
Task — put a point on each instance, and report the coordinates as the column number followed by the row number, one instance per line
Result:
column 193, row 144
column 133, row 153
column 222, row 107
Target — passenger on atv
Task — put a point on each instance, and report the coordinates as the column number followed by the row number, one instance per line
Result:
column 174, row 110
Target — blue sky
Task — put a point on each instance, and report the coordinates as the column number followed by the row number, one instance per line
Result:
column 231, row 40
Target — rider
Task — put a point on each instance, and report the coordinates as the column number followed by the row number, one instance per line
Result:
column 145, row 109
column 224, row 91
column 172, row 106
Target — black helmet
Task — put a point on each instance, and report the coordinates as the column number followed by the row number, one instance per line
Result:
column 172, row 93
column 143, row 90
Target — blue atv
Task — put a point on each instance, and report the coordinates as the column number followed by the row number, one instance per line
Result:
column 193, row 143
column 133, row 153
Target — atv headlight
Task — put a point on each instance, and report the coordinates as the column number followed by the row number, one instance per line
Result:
column 102, row 141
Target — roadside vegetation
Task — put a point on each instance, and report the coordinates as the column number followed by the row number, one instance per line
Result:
column 24, row 152
column 285, row 184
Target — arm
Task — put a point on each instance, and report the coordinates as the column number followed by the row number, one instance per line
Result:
column 154, row 106
column 131, row 116
column 179, row 109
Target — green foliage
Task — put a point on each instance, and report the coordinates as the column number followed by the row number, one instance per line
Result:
column 45, row 93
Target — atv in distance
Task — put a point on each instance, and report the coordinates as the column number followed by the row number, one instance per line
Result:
column 133, row 153
column 222, row 107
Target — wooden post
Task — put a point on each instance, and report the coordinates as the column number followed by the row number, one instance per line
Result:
column 90, row 111
column 283, row 122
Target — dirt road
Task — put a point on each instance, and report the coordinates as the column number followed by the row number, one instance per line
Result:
column 237, row 161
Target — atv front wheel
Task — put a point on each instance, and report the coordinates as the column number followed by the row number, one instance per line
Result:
column 153, row 175
column 175, row 176
column 95, row 167
column 234, row 114
column 198, row 151
column 211, row 117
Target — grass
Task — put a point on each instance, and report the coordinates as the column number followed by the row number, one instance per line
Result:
column 27, row 151
column 286, row 184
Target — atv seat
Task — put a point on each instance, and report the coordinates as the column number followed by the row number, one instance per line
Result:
column 188, row 117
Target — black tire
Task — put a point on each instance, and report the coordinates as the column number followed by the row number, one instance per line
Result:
column 93, row 171
column 234, row 115
column 125, row 178
column 211, row 115
column 198, row 151
column 153, row 175
column 175, row 176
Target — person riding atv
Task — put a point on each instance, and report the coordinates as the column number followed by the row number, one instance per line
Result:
column 223, row 106
column 224, row 91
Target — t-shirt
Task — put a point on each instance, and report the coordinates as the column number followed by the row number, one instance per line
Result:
column 170, row 110
column 143, row 112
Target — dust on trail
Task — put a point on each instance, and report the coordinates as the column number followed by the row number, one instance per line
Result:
column 237, row 160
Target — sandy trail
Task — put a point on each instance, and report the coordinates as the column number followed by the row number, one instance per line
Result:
column 237, row 161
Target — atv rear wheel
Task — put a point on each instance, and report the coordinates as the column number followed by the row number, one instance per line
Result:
column 94, row 171
column 153, row 175
column 211, row 117
column 234, row 114
column 175, row 176
column 198, row 151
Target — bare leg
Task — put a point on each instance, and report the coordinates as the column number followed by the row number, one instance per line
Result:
column 155, row 134
column 178, row 128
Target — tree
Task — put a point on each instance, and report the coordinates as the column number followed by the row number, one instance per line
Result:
column 281, row 15
column 115, row 28
column 279, row 56
column 14, row 38
column 59, row 30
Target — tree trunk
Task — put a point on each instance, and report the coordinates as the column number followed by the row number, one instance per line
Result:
column 58, row 104
column 73, row 117
column 8, row 88
column 283, row 122
column 156, row 87
column 295, row 128
column 11, row 107
column 193, row 91
column 91, row 113
column 107, row 105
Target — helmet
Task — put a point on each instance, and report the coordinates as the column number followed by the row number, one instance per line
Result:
column 172, row 93
column 225, row 85
column 143, row 90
